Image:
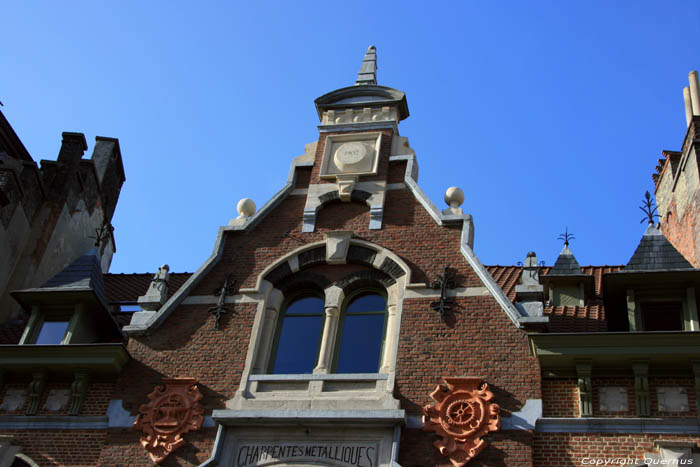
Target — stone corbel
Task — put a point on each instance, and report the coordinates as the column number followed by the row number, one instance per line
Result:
column 337, row 246
column 641, row 387
column 585, row 388
column 346, row 183
column 78, row 391
column 376, row 214
column 36, row 389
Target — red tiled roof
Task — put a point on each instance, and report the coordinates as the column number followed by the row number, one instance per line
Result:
column 129, row 287
column 589, row 318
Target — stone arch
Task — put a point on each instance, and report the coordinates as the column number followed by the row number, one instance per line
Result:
column 370, row 193
column 287, row 274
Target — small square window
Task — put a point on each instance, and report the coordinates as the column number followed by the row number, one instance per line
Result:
column 51, row 333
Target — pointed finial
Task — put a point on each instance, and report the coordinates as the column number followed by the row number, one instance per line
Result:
column 648, row 209
column 368, row 71
column 566, row 236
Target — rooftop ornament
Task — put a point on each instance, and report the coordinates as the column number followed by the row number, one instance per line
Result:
column 102, row 233
column 566, row 236
column 648, row 209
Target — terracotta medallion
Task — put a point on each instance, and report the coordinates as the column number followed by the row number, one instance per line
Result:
column 461, row 416
column 174, row 409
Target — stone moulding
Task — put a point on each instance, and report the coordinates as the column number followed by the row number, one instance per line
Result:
column 174, row 409
column 461, row 416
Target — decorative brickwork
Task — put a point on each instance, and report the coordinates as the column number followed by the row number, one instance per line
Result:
column 461, row 416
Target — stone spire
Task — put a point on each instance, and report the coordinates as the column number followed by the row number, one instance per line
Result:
column 368, row 72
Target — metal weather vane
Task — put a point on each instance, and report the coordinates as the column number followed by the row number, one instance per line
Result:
column 222, row 292
column 447, row 281
column 648, row 209
column 566, row 236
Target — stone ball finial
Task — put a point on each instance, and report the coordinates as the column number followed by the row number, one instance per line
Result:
column 454, row 197
column 246, row 208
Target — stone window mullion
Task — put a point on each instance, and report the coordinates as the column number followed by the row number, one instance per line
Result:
column 390, row 341
column 330, row 331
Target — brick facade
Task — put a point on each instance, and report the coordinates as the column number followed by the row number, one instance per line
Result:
column 403, row 248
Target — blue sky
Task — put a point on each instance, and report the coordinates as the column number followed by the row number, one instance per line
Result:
column 546, row 114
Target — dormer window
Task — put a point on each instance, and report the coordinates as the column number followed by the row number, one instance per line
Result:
column 662, row 315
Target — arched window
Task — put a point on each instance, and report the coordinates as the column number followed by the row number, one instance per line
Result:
column 298, row 336
column 361, row 333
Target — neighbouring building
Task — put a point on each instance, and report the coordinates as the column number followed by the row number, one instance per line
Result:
column 348, row 322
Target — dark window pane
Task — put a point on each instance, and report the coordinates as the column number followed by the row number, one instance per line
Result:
column 662, row 316
column 372, row 302
column 297, row 349
column 304, row 306
column 52, row 332
column 299, row 336
column 361, row 344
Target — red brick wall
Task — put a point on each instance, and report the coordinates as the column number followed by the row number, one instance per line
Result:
column 560, row 397
column 187, row 345
column 684, row 232
column 74, row 448
column 569, row 449
column 408, row 230
column 123, row 448
column 495, row 350
column 504, row 448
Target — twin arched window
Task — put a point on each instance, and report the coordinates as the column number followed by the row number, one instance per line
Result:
column 359, row 334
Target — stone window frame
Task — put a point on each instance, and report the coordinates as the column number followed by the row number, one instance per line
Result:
column 304, row 386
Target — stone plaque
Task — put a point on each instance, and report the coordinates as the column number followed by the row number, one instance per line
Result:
column 14, row 399
column 672, row 399
column 350, row 454
column 613, row 399
column 57, row 399
column 354, row 155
